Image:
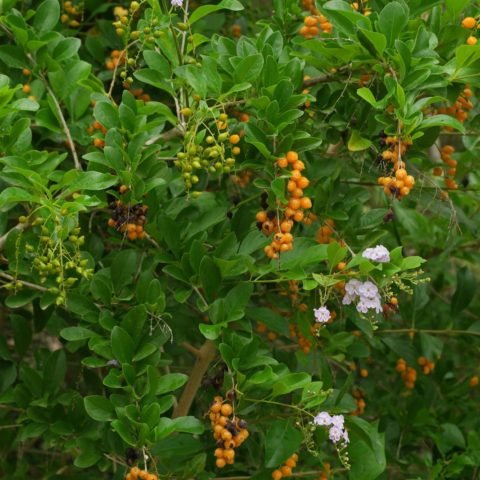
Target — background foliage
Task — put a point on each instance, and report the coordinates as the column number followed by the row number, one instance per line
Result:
column 139, row 141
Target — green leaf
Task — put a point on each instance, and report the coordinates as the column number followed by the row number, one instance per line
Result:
column 392, row 20
column 47, row 15
column 11, row 195
column 188, row 425
column 356, row 143
column 441, row 121
column 107, row 115
column 281, row 441
column 54, row 370
column 465, row 291
column 249, row 68
column 367, row 95
column 170, row 382
column 336, row 254
column 99, row 408
column 122, row 345
column 374, row 42
column 210, row 277
column 291, row 382
column 73, row 334
column 204, row 10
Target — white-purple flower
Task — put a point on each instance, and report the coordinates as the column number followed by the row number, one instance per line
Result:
column 322, row 314
column 323, row 419
column 378, row 254
column 176, row 3
column 335, row 424
column 365, row 294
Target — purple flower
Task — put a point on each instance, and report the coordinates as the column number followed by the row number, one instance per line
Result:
column 378, row 254
column 352, row 287
column 338, row 421
column 335, row 434
column 323, row 419
column 368, row 290
column 176, row 3
column 322, row 314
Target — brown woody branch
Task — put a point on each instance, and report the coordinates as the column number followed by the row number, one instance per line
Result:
column 206, row 354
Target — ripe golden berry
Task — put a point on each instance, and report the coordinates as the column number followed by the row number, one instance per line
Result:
column 226, row 410
column 364, row 372
column 473, row 381
column 26, row 88
column 472, row 40
column 305, row 203
column 277, row 475
column 220, row 462
column 292, row 156
column 234, row 139
column 282, row 162
column 469, row 22
column 123, row 189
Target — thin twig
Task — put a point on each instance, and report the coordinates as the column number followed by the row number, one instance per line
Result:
column 33, row 286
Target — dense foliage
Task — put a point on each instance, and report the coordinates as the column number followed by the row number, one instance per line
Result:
column 239, row 239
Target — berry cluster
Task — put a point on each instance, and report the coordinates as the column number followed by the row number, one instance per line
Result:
column 325, row 232
column 409, row 374
column 460, row 108
column 286, row 469
column 262, row 328
column 136, row 473
column 26, row 88
column 98, row 131
column 59, row 260
column 72, row 13
column 211, row 156
column 309, row 5
column 139, row 94
column 242, row 179
column 399, row 185
column 313, row 24
column 229, row 433
column 358, row 395
column 117, row 57
column 128, row 219
column 450, row 172
column 470, row 23
column 293, row 211
column 427, row 365
column 362, row 7
column 304, row 343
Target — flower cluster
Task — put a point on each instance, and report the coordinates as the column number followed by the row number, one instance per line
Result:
column 366, row 295
column 176, row 3
column 378, row 254
column 322, row 314
column 335, row 423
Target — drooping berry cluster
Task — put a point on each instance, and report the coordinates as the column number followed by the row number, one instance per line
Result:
column 399, row 185
column 359, row 395
column 450, row 172
column 325, row 232
column 229, row 431
column 313, row 24
column 460, row 108
column 136, row 473
column 286, row 469
column 304, row 343
column 242, row 179
column 309, row 5
column 72, row 13
column 211, row 155
column 262, row 328
column 427, row 365
column 408, row 374
column 128, row 219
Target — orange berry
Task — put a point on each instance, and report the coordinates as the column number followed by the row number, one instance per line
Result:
column 111, row 222
column 313, row 30
column 26, row 72
column 216, row 407
column 287, row 471
column 244, row 117
column 303, row 182
column 341, row 266
column 218, row 452
column 296, row 175
column 26, row 88
column 297, row 193
column 472, row 40
column 220, row 462
column 287, row 238
column 229, row 454
column 298, row 165
column 291, row 186
column 473, row 381
column 292, row 156
column 291, row 463
column 286, row 226
column 310, row 21
column 234, row 139
column 409, row 181
column 305, row 203
column 298, row 216
column 438, row 171
column 98, row 142
column 123, row 189
column 364, row 372
column 226, row 410
column 294, row 203
column 261, row 216
column 277, row 475
column 132, row 235
column 236, row 150
column 401, row 174
column 282, row 162
column 469, row 22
